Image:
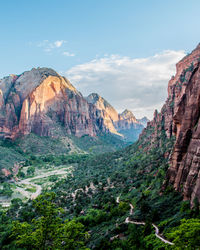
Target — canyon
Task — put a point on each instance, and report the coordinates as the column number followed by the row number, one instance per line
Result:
column 179, row 118
column 40, row 101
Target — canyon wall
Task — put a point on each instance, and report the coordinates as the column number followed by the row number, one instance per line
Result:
column 39, row 100
column 179, row 118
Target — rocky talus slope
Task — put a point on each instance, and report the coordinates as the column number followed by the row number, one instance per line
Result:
column 179, row 117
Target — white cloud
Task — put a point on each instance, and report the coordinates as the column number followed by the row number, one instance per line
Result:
column 66, row 53
column 49, row 46
column 58, row 43
column 138, row 84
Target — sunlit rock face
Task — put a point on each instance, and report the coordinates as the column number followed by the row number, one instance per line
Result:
column 179, row 117
column 124, row 124
column 40, row 99
column 127, row 121
column 108, row 113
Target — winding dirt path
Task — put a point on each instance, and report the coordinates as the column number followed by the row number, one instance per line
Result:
column 157, row 234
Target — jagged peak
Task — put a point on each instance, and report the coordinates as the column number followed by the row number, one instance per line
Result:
column 127, row 114
column 190, row 57
column 44, row 71
column 30, row 80
column 144, row 120
column 94, row 98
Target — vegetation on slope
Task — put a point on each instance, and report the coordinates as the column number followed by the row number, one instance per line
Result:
column 97, row 195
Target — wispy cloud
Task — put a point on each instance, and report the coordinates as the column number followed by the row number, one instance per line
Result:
column 138, row 84
column 58, row 43
column 48, row 46
column 66, row 53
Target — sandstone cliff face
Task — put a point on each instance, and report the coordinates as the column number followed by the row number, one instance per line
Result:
column 179, row 117
column 128, row 121
column 124, row 124
column 108, row 113
column 40, row 99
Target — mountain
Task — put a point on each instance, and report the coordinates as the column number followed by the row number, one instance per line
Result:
column 179, row 119
column 42, row 102
column 124, row 124
column 109, row 114
column 39, row 101
column 124, row 199
column 144, row 120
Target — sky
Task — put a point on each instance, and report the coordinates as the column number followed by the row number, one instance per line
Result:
column 125, row 50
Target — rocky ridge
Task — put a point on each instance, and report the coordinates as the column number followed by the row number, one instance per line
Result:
column 42, row 102
column 179, row 118
column 39, row 100
column 124, row 124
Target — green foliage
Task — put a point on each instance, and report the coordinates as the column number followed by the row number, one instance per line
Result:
column 187, row 235
column 31, row 171
column 86, row 198
column 21, row 174
column 152, row 242
column 7, row 190
column 47, row 231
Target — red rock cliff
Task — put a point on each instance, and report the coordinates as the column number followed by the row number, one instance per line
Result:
column 179, row 117
column 39, row 101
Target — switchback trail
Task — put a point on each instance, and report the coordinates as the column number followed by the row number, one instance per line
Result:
column 157, row 234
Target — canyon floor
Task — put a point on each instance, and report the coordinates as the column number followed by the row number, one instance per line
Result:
column 31, row 187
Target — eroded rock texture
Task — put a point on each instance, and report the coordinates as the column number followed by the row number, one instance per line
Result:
column 179, row 117
column 124, row 124
column 40, row 99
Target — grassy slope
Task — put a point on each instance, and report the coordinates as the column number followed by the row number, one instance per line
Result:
column 19, row 150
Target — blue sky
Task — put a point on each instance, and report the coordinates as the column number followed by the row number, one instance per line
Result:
column 64, row 34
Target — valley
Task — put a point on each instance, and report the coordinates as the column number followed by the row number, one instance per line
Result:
column 31, row 187
column 69, row 177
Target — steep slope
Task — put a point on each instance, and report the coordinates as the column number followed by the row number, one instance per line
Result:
column 124, row 124
column 179, row 117
column 109, row 114
column 127, row 121
column 144, row 120
column 39, row 100
column 129, row 126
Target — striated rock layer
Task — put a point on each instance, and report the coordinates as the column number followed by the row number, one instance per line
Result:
column 179, row 117
column 109, row 114
column 40, row 99
column 124, row 124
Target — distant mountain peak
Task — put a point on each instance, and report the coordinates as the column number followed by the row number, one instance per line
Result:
column 128, row 114
column 94, row 98
column 144, row 120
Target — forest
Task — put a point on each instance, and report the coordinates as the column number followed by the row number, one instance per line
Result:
column 94, row 205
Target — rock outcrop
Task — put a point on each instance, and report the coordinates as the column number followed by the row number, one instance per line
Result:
column 144, row 120
column 127, row 121
column 124, row 124
column 38, row 100
column 41, row 101
column 109, row 114
column 179, row 117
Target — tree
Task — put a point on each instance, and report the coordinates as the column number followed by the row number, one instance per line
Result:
column 7, row 191
column 47, row 231
column 187, row 235
column 31, row 170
